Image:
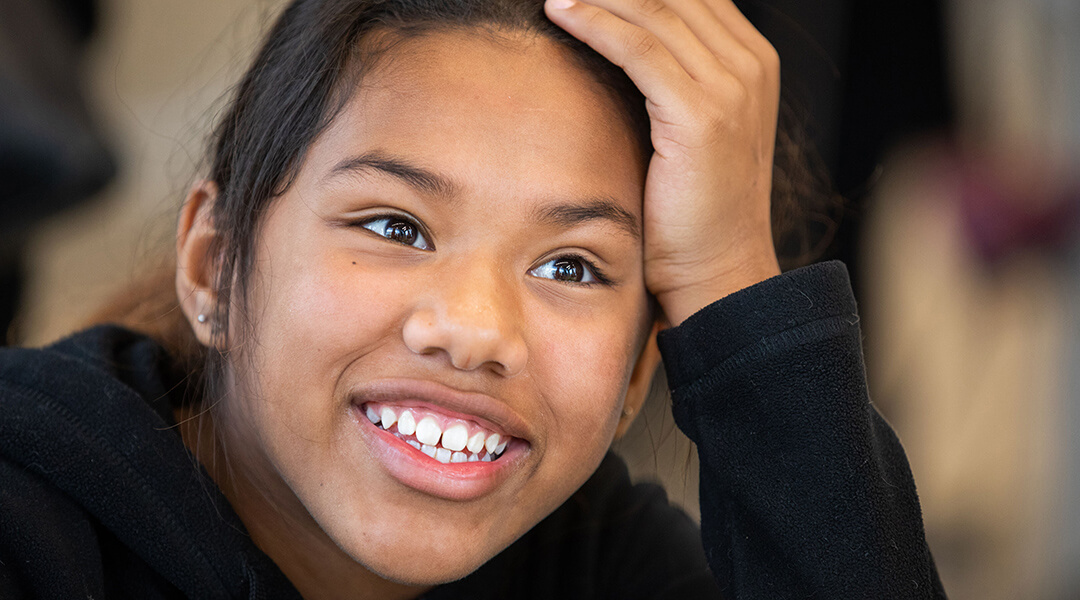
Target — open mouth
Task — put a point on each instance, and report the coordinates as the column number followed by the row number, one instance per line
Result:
column 441, row 441
column 445, row 439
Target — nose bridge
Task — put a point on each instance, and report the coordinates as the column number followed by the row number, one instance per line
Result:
column 473, row 295
column 471, row 313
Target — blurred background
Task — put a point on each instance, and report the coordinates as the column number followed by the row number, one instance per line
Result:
column 951, row 129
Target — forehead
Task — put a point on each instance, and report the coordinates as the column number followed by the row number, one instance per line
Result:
column 508, row 114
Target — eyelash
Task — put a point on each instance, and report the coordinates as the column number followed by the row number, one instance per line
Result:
column 591, row 269
column 598, row 275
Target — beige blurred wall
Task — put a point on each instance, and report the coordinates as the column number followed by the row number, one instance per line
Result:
column 157, row 72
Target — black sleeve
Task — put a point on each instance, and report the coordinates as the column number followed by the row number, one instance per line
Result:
column 805, row 490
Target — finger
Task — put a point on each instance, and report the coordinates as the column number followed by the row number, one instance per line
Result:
column 648, row 63
column 741, row 27
column 673, row 32
column 732, row 39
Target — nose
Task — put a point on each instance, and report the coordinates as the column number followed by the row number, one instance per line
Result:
column 469, row 318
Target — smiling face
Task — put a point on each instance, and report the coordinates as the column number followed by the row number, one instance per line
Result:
column 460, row 249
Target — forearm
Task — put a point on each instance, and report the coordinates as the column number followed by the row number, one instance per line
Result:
column 806, row 491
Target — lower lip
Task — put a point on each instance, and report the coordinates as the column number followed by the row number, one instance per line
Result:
column 451, row 481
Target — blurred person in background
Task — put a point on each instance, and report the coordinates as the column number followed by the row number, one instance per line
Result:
column 972, row 294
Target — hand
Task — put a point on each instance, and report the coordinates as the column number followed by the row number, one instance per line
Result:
column 712, row 89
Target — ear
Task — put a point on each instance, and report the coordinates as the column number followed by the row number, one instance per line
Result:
column 640, row 381
column 196, row 269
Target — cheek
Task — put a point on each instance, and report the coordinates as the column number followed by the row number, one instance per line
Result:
column 315, row 314
column 589, row 372
column 328, row 311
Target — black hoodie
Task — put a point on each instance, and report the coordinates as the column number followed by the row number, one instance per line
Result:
column 805, row 491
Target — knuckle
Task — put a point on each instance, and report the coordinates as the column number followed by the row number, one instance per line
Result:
column 594, row 20
column 732, row 91
column 640, row 43
column 649, row 7
column 769, row 59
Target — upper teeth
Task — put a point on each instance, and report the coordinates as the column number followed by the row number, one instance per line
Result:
column 455, row 436
column 427, row 431
column 445, row 443
column 387, row 417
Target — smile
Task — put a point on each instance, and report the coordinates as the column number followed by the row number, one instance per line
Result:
column 443, row 439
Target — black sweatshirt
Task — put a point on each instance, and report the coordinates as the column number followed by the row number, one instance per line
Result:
column 805, row 491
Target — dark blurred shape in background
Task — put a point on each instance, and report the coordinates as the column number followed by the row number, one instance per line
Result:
column 861, row 77
column 52, row 154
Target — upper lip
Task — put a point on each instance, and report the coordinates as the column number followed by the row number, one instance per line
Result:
column 482, row 408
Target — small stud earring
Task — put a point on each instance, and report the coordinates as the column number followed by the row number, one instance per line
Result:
column 201, row 318
column 627, row 412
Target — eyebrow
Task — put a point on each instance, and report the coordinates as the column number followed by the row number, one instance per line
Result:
column 422, row 180
column 428, row 182
column 593, row 209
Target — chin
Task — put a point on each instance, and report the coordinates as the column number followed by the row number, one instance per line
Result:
column 422, row 566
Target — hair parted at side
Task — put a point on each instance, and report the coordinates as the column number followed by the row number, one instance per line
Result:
column 311, row 61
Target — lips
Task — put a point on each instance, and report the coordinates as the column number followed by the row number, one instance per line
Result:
column 440, row 441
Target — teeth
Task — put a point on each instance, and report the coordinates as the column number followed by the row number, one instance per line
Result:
column 454, row 437
column 371, row 414
column 388, row 417
column 444, row 446
column 443, row 455
column 406, row 424
column 427, row 431
column 476, row 442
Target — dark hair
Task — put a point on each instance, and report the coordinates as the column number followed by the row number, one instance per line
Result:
column 311, row 60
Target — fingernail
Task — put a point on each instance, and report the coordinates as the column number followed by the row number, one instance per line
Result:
column 560, row 4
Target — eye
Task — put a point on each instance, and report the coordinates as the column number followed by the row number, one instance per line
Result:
column 398, row 229
column 571, row 269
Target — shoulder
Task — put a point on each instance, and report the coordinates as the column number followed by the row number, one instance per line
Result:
column 47, row 542
column 101, row 353
column 97, row 374
column 64, row 409
column 82, row 441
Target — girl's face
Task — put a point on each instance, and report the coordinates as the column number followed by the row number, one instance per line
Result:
column 459, row 255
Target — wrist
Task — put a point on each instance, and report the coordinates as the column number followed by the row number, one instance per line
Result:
column 725, row 279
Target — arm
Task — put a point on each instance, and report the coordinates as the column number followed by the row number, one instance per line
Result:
column 805, row 490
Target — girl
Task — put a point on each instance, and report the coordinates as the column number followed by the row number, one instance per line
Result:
column 420, row 293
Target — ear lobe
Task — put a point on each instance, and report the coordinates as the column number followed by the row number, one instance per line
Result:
column 640, row 381
column 196, row 266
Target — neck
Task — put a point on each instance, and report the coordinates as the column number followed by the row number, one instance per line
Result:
column 278, row 522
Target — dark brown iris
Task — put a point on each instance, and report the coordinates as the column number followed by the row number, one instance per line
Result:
column 402, row 232
column 567, row 269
